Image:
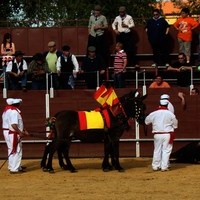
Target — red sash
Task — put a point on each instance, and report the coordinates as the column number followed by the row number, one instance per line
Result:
column 172, row 137
column 15, row 141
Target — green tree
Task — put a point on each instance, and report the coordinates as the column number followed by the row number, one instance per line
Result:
column 59, row 12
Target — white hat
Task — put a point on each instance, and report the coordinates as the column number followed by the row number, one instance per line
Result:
column 15, row 101
column 9, row 101
column 164, row 96
column 164, row 102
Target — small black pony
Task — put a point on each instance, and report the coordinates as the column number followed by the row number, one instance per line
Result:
column 65, row 126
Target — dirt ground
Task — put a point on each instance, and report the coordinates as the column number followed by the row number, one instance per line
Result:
column 182, row 182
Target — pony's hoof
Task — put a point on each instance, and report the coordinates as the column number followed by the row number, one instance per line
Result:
column 121, row 170
column 64, row 167
column 106, row 170
column 44, row 169
column 51, row 171
column 73, row 171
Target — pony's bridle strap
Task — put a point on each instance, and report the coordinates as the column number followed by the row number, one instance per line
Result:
column 118, row 109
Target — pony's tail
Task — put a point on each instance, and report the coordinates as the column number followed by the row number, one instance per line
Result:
column 50, row 122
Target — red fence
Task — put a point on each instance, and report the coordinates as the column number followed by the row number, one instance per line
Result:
column 32, row 40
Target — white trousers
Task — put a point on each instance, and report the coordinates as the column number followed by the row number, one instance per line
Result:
column 14, row 159
column 162, row 151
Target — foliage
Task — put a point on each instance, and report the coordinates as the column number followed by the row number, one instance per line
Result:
column 193, row 5
column 59, row 12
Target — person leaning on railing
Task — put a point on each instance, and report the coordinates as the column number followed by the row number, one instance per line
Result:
column 67, row 68
column 159, row 83
column 17, row 71
column 37, row 70
column 91, row 65
column 182, row 69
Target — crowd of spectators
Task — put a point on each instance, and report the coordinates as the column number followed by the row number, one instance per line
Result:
column 64, row 68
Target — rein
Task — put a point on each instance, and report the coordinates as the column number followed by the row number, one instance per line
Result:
column 117, row 109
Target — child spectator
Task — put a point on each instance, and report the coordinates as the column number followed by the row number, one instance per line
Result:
column 120, row 62
column 185, row 24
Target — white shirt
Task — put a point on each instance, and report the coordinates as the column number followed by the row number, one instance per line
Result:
column 170, row 107
column 10, row 65
column 127, row 20
column 74, row 61
column 14, row 117
column 5, row 124
column 163, row 121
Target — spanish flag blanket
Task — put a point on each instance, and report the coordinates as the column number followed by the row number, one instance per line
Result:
column 93, row 119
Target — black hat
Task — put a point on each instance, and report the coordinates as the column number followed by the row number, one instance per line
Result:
column 122, row 9
column 66, row 48
column 91, row 48
column 18, row 53
column 38, row 57
column 97, row 8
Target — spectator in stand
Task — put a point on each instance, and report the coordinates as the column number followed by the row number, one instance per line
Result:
column 37, row 70
column 67, row 68
column 17, row 71
column 120, row 62
column 92, row 64
column 51, row 57
column 122, row 26
column 157, row 30
column 159, row 83
column 185, row 24
column 182, row 69
column 96, row 28
column 194, row 91
column 7, row 50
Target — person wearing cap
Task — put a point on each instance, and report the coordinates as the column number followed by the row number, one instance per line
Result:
column 164, row 123
column 122, row 26
column 92, row 64
column 67, row 68
column 17, row 71
column 96, row 28
column 37, row 70
column 52, row 56
column 13, row 130
column 170, row 107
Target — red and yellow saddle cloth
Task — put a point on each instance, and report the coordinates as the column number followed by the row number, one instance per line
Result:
column 96, row 119
column 93, row 119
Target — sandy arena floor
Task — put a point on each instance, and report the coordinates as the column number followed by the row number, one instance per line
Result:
column 91, row 183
